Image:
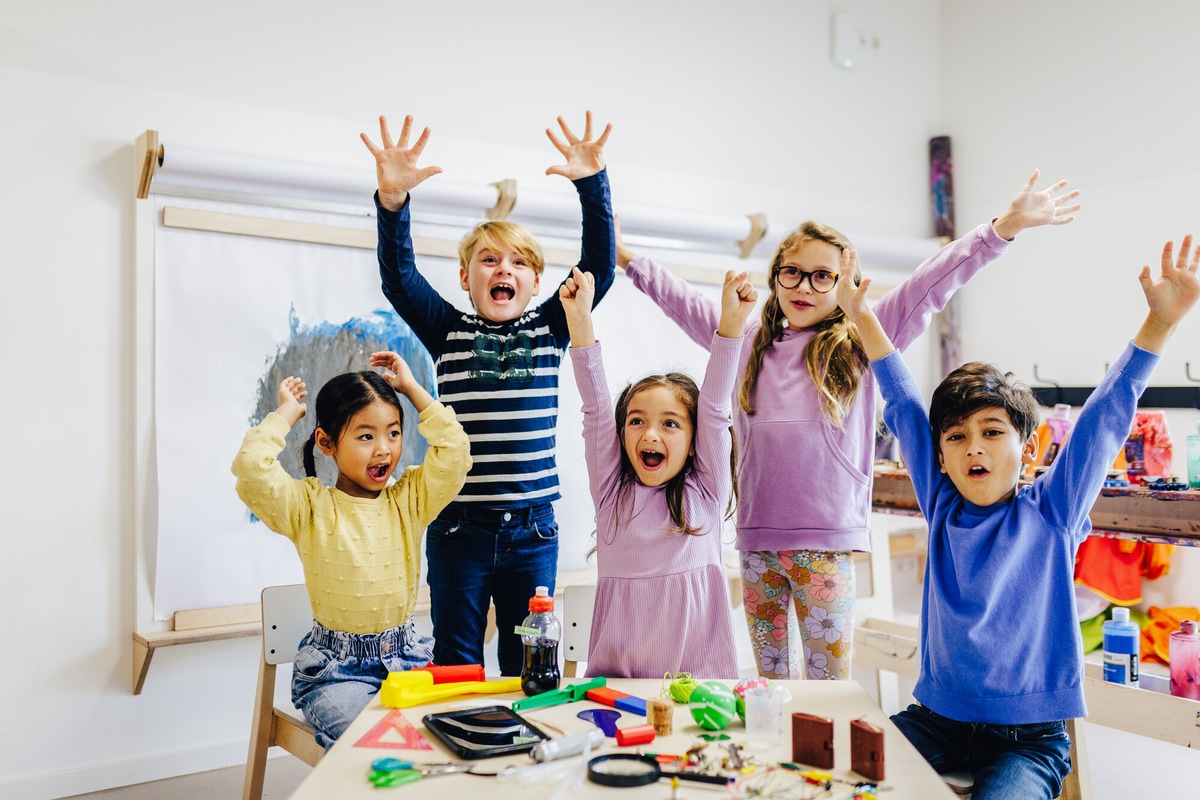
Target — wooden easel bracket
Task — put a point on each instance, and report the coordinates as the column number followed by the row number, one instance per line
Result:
column 758, row 229
column 144, row 644
column 210, row 625
column 507, row 190
column 148, row 156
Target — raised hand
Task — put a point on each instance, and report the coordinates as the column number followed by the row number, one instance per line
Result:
column 291, row 392
column 577, row 294
column 397, row 371
column 853, row 302
column 396, row 164
column 850, row 298
column 1177, row 287
column 1031, row 208
column 584, row 156
column 738, row 297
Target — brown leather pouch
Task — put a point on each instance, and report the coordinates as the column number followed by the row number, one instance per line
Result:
column 866, row 749
column 812, row 740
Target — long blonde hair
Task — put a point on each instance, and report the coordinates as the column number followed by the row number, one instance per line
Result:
column 835, row 357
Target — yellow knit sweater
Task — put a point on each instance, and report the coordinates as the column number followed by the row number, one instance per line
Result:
column 361, row 557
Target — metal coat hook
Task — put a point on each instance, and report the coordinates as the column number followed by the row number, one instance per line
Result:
column 1187, row 370
column 1042, row 380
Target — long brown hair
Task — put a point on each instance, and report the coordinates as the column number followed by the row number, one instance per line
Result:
column 835, row 357
column 688, row 394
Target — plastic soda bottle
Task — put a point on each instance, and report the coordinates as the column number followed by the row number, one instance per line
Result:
column 1185, row 661
column 1121, row 648
column 540, row 632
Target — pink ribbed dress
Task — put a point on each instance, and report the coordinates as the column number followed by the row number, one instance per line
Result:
column 662, row 599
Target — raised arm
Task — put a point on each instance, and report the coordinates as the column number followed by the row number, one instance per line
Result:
column 585, row 168
column 576, row 294
column 271, row 494
column 1069, row 488
column 853, row 302
column 1031, row 208
column 906, row 311
column 396, row 169
column 1170, row 296
column 713, row 437
column 400, row 376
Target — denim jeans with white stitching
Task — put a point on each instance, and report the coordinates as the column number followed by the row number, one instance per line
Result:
column 480, row 556
column 1007, row 762
column 335, row 674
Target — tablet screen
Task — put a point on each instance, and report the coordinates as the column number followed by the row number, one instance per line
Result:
column 484, row 732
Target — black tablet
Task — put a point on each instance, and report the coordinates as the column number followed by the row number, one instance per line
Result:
column 484, row 732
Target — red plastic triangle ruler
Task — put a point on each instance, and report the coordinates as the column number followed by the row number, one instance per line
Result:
column 396, row 732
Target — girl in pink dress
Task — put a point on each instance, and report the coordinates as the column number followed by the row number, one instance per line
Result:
column 661, row 478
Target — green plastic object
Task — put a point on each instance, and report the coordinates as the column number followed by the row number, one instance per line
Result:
column 570, row 694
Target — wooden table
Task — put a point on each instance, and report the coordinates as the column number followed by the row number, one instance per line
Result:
column 1125, row 512
column 343, row 772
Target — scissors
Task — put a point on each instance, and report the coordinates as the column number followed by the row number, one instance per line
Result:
column 387, row 772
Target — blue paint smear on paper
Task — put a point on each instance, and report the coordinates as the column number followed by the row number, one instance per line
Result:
column 325, row 349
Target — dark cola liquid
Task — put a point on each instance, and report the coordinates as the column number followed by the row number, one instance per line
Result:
column 540, row 673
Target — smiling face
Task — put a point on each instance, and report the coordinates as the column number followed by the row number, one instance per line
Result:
column 500, row 266
column 984, row 455
column 657, row 434
column 803, row 307
column 368, row 449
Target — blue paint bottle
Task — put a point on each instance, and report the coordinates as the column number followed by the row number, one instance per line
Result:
column 1121, row 648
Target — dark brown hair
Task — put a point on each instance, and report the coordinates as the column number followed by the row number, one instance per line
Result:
column 686, row 391
column 976, row 386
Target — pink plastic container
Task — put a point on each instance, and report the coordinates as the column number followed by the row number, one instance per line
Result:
column 1185, row 661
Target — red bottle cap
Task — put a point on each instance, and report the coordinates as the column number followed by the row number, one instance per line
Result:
column 542, row 601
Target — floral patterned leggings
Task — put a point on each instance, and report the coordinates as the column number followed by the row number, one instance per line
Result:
column 822, row 583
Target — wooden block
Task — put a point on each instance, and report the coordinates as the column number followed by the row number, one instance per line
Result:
column 215, row 617
column 605, row 696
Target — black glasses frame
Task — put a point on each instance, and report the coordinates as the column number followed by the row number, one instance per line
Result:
column 804, row 276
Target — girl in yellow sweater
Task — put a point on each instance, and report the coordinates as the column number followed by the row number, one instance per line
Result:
column 359, row 541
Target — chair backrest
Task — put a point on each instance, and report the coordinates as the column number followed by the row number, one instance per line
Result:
column 287, row 616
column 578, row 602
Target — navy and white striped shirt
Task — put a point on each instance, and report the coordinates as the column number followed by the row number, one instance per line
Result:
column 500, row 378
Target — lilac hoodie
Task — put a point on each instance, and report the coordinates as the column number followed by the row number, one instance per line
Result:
column 805, row 484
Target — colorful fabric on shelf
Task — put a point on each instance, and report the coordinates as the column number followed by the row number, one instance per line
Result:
column 1114, row 568
column 1156, row 634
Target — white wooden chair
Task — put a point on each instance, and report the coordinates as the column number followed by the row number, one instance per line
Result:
column 578, row 602
column 287, row 616
column 893, row 647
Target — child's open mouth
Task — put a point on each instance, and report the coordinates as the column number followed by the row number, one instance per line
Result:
column 977, row 472
column 378, row 472
column 651, row 460
column 502, row 293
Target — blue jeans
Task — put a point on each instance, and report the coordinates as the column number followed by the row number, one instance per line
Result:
column 1017, row 762
column 480, row 556
column 336, row 674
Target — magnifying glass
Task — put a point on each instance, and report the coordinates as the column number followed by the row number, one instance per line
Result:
column 630, row 769
column 623, row 769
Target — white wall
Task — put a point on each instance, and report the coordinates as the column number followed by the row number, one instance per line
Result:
column 1102, row 94
column 722, row 106
column 717, row 106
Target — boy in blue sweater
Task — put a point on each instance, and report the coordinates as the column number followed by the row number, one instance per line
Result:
column 1001, row 556
column 498, row 368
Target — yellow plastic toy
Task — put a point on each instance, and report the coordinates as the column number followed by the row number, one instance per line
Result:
column 407, row 689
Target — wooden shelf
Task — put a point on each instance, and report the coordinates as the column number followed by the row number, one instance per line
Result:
column 1124, row 512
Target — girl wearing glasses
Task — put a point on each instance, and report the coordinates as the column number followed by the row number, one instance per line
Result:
column 804, row 417
column 661, row 478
